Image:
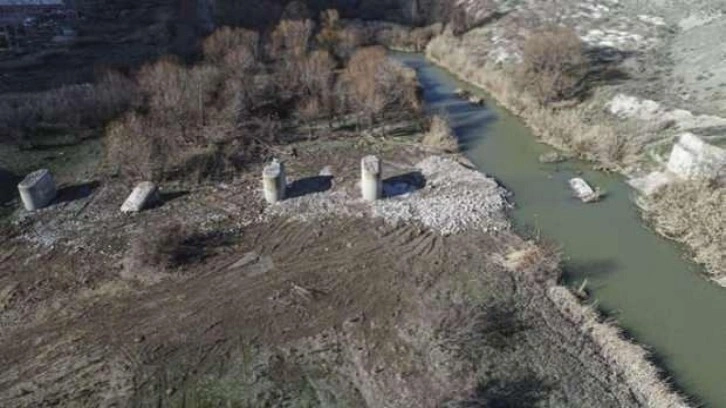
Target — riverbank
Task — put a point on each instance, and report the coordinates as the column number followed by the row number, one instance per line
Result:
column 587, row 132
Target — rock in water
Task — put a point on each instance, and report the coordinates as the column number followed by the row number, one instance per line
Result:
column 583, row 191
column 145, row 194
column 476, row 100
column 37, row 189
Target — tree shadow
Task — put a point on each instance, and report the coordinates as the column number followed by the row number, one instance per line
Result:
column 527, row 391
column 75, row 192
column 309, row 185
column 403, row 184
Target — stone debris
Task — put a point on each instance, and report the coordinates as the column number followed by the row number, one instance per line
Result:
column 37, row 190
column 583, row 191
column 144, row 195
column 326, row 171
column 454, row 199
column 693, row 158
column 627, row 106
column 651, row 183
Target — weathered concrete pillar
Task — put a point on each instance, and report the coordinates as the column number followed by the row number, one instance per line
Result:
column 370, row 181
column 274, row 182
column 37, row 189
column 144, row 195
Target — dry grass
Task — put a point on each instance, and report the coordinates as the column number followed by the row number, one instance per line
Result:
column 694, row 213
column 440, row 136
column 629, row 359
column 212, row 118
column 539, row 261
column 566, row 127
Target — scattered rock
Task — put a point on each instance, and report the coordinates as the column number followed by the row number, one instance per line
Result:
column 326, row 171
column 144, row 195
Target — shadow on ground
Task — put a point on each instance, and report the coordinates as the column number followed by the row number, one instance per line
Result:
column 309, row 185
column 524, row 392
column 403, row 184
column 76, row 192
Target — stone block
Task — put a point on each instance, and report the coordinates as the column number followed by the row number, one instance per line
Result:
column 144, row 195
column 693, row 158
column 37, row 190
column 582, row 190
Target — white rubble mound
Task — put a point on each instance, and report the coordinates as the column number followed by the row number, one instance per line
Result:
column 454, row 199
column 626, row 106
column 693, row 158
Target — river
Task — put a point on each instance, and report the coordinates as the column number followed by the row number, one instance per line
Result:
column 636, row 277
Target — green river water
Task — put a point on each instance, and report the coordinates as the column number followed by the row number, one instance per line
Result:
column 635, row 276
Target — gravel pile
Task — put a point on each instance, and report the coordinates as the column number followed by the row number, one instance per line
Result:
column 453, row 199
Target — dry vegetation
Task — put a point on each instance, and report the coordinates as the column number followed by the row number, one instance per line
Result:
column 537, row 92
column 694, row 213
column 553, row 65
column 69, row 109
column 246, row 94
column 440, row 136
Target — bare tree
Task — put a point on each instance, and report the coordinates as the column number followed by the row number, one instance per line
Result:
column 554, row 64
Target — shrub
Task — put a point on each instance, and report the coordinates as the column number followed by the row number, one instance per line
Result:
column 372, row 85
column 131, row 149
column 167, row 248
column 553, row 65
column 440, row 136
column 291, row 39
column 217, row 47
column 155, row 252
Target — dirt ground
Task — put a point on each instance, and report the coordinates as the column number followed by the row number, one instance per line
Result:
column 348, row 308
